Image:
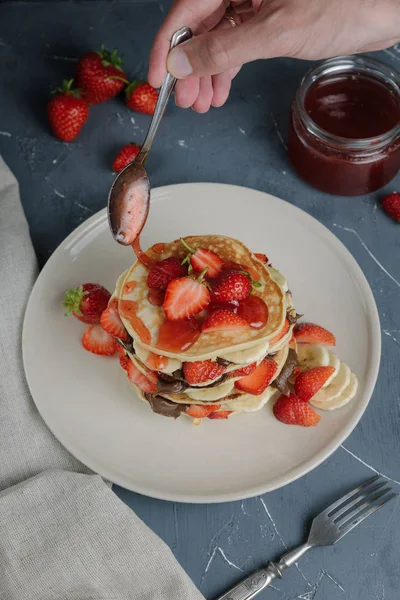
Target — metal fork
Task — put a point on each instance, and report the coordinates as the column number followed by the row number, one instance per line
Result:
column 327, row 528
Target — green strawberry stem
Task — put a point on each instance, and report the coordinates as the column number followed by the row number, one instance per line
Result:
column 72, row 300
column 111, row 58
column 66, row 88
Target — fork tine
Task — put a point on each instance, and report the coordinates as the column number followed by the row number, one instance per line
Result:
column 359, row 509
column 348, row 505
column 350, row 495
column 348, row 526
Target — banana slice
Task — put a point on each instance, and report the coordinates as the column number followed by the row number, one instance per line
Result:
column 335, row 388
column 312, row 355
column 335, row 363
column 341, row 400
column 212, row 393
column 247, row 356
column 249, row 403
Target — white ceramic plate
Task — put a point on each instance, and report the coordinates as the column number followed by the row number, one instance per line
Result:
column 90, row 407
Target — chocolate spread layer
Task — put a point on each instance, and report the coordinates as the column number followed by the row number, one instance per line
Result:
column 164, row 407
column 127, row 346
column 175, row 382
column 281, row 382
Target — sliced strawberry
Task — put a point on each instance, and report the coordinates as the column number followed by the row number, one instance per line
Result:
column 232, row 306
column 262, row 257
column 244, row 371
column 293, row 411
column 199, row 411
column 156, row 297
column 111, row 322
column 258, row 381
column 204, row 258
column 137, row 377
column 230, row 265
column 123, row 358
column 184, row 298
column 309, row 333
column 308, row 383
column 98, row 341
column 231, row 285
column 202, row 370
column 253, row 310
column 201, row 259
column 165, row 271
column 156, row 362
column 282, row 332
column 220, row 414
column 224, row 320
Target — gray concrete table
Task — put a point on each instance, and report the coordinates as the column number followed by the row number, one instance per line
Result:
column 242, row 143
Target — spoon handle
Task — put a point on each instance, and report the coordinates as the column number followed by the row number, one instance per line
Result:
column 182, row 35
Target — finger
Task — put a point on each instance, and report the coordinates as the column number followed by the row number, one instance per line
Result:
column 203, row 102
column 187, row 91
column 220, row 50
column 221, row 84
column 190, row 13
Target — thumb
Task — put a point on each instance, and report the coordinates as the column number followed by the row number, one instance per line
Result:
column 217, row 51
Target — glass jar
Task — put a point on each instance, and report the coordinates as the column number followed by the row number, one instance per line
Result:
column 344, row 133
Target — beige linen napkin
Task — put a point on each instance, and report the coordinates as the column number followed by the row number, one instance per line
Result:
column 64, row 535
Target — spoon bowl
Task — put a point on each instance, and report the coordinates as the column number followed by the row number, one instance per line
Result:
column 129, row 197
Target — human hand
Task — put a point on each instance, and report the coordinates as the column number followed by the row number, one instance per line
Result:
column 312, row 29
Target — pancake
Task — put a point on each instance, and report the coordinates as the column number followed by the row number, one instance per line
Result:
column 143, row 320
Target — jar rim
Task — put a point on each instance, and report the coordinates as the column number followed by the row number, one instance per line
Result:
column 362, row 65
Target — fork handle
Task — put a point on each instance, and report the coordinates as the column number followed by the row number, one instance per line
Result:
column 259, row 580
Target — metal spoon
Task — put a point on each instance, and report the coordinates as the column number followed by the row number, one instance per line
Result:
column 129, row 198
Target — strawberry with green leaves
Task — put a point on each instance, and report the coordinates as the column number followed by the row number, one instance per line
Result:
column 141, row 97
column 67, row 112
column 100, row 75
column 86, row 302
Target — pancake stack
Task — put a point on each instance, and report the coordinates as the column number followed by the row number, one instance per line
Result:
column 179, row 368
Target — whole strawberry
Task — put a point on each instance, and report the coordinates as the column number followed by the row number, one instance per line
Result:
column 141, row 97
column 125, row 156
column 100, row 75
column 67, row 112
column 87, row 302
column 391, row 205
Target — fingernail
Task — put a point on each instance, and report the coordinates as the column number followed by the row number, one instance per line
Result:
column 178, row 63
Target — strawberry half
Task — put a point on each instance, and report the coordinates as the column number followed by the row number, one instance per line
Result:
column 262, row 257
column 244, row 371
column 258, row 381
column 231, row 285
column 219, row 414
column 123, row 358
column 309, row 333
column 201, row 258
column 165, row 271
column 98, row 341
column 111, row 322
column 308, row 383
column 86, row 302
column 185, row 297
column 199, row 411
column 202, row 370
column 146, row 384
column 224, row 320
column 293, row 411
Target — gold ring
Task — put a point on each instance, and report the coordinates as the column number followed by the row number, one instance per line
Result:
column 229, row 17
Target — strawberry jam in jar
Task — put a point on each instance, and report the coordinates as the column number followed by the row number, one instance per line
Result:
column 344, row 133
